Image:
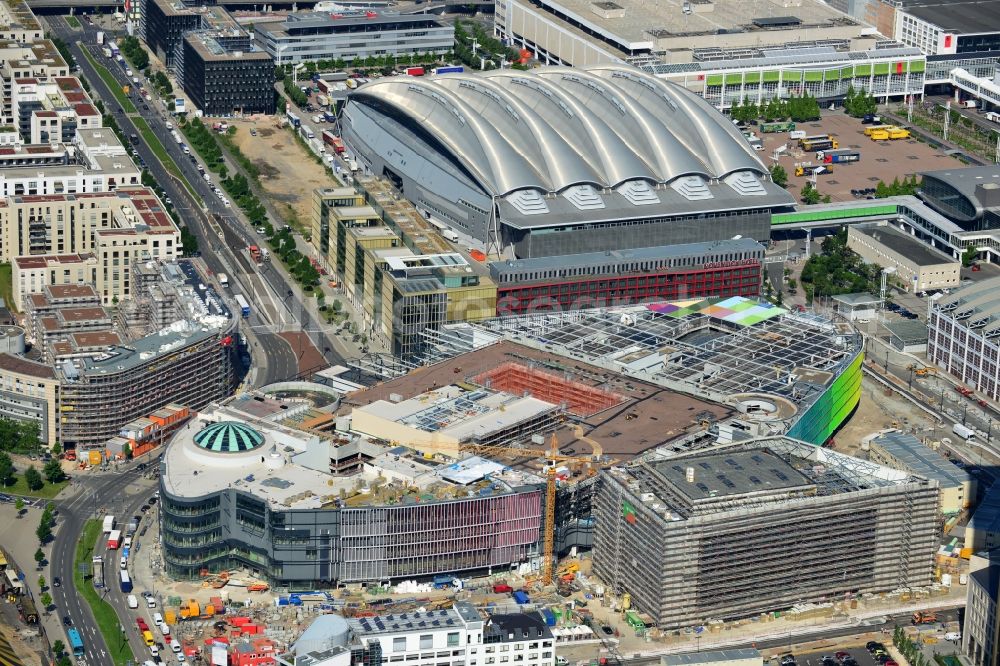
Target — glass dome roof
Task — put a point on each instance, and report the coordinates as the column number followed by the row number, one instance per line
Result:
column 228, row 437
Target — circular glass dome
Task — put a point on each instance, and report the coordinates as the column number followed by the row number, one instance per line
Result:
column 228, row 437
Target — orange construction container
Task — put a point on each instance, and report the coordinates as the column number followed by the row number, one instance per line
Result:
column 170, row 617
column 94, row 457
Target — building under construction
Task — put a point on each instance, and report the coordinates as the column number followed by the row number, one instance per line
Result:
column 759, row 526
column 174, row 341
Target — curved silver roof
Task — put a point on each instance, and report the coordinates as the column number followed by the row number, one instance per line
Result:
column 556, row 127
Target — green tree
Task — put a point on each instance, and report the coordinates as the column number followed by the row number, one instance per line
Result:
column 64, row 661
column 882, row 190
column 53, row 471
column 39, row 557
column 41, row 582
column 19, row 505
column 46, row 600
column 6, row 469
column 969, row 255
column 810, row 195
column 58, row 647
column 779, row 176
column 56, row 449
column 43, row 532
column 33, row 478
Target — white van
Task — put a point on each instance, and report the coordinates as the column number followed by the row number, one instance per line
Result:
column 175, row 646
column 158, row 619
column 132, row 601
column 127, row 543
column 151, row 603
column 124, row 562
column 165, row 629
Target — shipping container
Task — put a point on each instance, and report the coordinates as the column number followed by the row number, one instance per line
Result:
column 448, row 69
column 521, row 597
column 414, row 71
column 502, row 588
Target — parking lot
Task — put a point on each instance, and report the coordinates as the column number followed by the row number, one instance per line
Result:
column 880, row 160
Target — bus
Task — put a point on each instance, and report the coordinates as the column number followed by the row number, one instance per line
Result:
column 124, row 580
column 244, row 306
column 75, row 642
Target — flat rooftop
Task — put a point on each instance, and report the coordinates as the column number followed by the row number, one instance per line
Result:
column 787, row 470
column 908, row 246
column 958, row 16
column 643, row 417
column 729, row 474
column 639, row 24
column 921, row 460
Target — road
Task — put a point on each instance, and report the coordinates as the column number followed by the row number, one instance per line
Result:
column 223, row 235
column 91, row 491
column 784, row 644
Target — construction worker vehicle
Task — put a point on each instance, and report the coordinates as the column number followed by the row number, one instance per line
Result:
column 923, row 617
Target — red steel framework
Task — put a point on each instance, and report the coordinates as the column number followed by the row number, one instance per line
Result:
column 581, row 399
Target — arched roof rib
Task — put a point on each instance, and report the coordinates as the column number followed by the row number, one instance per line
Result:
column 697, row 123
column 554, row 128
column 528, row 133
column 625, row 149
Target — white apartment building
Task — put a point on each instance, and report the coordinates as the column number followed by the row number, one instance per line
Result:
column 458, row 636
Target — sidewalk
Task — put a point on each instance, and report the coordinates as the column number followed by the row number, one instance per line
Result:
column 21, row 543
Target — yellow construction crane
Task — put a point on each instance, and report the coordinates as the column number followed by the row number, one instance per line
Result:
column 551, row 457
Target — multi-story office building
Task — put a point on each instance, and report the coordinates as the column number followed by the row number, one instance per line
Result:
column 920, row 266
column 163, row 24
column 981, row 628
column 599, row 279
column 224, row 73
column 174, row 343
column 350, row 34
column 396, row 268
column 946, row 27
column 702, row 536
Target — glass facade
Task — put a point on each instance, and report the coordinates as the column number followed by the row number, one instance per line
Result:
column 833, row 407
column 947, row 200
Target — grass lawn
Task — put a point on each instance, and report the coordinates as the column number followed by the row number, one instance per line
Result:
column 48, row 491
column 7, row 286
column 73, row 22
column 161, row 153
column 116, row 88
column 107, row 619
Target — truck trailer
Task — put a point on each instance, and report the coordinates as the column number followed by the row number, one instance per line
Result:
column 109, row 524
column 770, row 128
column 842, row 156
column 114, row 539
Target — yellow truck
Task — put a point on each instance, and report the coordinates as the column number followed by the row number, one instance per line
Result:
column 148, row 637
column 880, row 135
column 899, row 133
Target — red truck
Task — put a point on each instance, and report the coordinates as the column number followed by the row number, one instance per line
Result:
column 414, row 71
column 502, row 588
column 334, row 141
